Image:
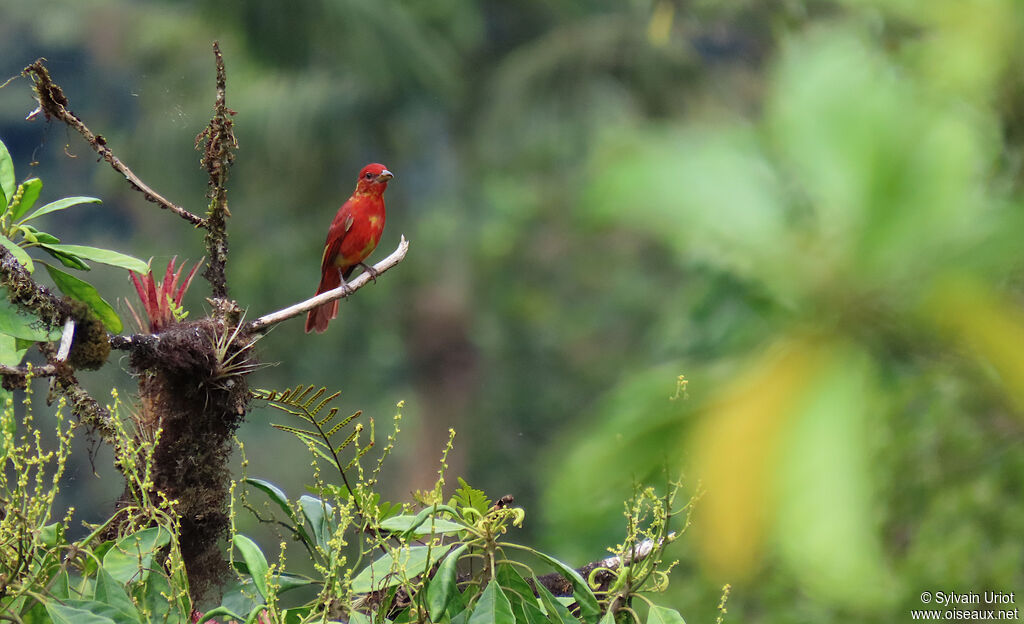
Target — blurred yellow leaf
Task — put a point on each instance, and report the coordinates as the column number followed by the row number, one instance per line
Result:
column 737, row 446
column 992, row 328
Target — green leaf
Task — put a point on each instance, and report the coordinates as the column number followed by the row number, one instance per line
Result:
column 103, row 256
column 49, row 534
column 256, row 562
column 663, row 615
column 7, row 182
column 388, row 571
column 461, row 618
column 212, row 613
column 61, row 204
column 61, row 588
column 273, row 492
column 589, row 608
column 39, row 235
column 359, row 618
column 113, row 594
column 557, row 612
column 520, row 594
column 443, row 586
column 86, row 293
column 69, row 260
column 467, row 496
column 819, row 508
column 318, row 514
column 608, row 618
column 404, row 523
column 19, row 254
column 83, row 612
column 131, row 557
column 281, row 499
column 18, row 324
column 10, row 353
column 29, row 194
column 493, row 607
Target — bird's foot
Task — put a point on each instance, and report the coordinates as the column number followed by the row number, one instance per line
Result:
column 372, row 272
column 345, row 288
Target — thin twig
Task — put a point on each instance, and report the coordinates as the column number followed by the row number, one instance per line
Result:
column 264, row 322
column 53, row 103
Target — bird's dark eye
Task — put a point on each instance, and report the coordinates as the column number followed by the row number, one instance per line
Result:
column 368, row 176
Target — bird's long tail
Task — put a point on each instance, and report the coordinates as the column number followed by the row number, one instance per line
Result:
column 320, row 316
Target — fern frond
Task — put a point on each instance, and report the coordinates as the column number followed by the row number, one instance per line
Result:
column 316, row 395
column 302, row 433
column 328, row 418
column 316, row 410
column 306, row 403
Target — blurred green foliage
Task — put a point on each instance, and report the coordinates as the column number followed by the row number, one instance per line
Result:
column 809, row 208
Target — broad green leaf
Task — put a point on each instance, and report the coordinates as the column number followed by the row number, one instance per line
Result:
column 443, row 586
column 131, row 558
column 61, row 588
column 662, row 615
column 69, row 260
column 256, row 562
column 29, row 194
column 7, row 181
column 359, row 618
column 86, row 293
column 83, row 612
column 824, row 487
column 589, row 608
column 61, row 204
column 317, row 513
column 273, row 492
column 19, row 254
column 39, row 235
column 281, row 499
column 608, row 618
column 114, row 595
column 520, row 594
column 493, row 607
column 556, row 612
column 103, row 256
column 18, row 324
column 161, row 601
column 403, row 523
column 49, row 534
column 388, row 571
column 224, row 611
column 10, row 353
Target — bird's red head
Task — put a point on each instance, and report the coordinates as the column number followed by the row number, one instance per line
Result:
column 373, row 179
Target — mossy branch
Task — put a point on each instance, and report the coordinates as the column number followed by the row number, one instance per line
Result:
column 219, row 140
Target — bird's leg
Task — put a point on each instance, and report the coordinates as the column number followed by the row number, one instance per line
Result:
column 344, row 284
column 370, row 270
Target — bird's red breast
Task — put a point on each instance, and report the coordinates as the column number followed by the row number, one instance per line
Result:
column 352, row 237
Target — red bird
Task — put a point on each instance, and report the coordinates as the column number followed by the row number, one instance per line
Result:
column 354, row 234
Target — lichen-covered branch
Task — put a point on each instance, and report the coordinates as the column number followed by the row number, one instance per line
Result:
column 27, row 294
column 53, row 103
column 264, row 322
column 219, row 140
